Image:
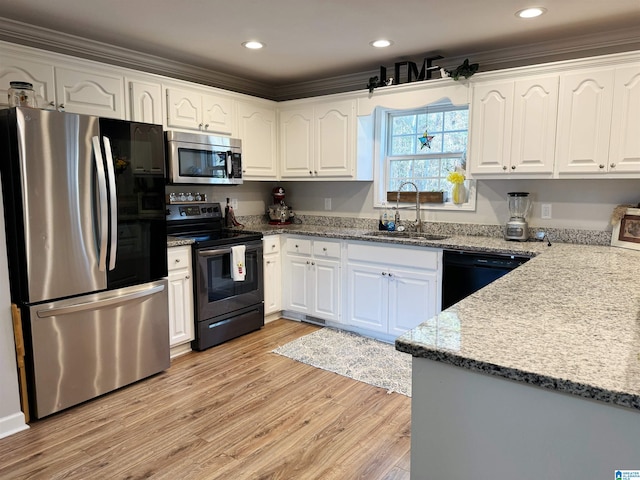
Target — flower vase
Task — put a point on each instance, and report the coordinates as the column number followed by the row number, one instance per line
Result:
column 459, row 193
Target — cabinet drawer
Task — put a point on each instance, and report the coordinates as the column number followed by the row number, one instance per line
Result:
column 178, row 257
column 424, row 258
column 300, row 246
column 326, row 249
column 271, row 245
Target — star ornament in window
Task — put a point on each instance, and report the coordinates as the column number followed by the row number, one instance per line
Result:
column 425, row 140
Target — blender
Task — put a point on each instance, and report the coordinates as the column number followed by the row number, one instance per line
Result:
column 516, row 227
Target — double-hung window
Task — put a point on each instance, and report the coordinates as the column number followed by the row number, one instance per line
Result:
column 423, row 146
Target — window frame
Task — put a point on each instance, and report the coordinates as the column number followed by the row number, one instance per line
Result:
column 382, row 118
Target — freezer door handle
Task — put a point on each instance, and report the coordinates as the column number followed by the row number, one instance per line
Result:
column 113, row 201
column 115, row 300
column 104, row 206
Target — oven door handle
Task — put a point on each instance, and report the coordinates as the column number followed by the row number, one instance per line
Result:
column 222, row 251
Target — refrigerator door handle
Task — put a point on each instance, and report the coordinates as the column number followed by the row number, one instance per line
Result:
column 104, row 206
column 113, row 200
column 115, row 300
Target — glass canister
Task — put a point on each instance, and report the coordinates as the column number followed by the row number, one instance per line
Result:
column 21, row 94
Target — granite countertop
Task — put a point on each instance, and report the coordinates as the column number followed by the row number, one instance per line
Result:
column 567, row 320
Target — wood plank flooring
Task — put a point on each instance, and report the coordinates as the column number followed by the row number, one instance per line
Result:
column 235, row 411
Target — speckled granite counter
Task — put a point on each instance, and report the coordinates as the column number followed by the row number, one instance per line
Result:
column 568, row 320
column 176, row 242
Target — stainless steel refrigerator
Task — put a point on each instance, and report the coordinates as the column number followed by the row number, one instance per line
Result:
column 86, row 243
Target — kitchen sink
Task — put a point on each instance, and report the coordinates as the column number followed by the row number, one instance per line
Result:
column 396, row 234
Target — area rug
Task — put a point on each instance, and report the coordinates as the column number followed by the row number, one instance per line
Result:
column 351, row 355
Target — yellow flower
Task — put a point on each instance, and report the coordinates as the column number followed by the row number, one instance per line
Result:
column 455, row 177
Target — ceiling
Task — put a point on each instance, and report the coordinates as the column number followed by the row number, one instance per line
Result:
column 311, row 40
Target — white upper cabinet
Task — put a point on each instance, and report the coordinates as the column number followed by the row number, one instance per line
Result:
column 513, row 127
column 194, row 110
column 624, row 149
column 335, row 142
column 584, row 121
column 90, row 92
column 145, row 102
column 257, row 129
column 297, row 142
column 77, row 89
column 18, row 69
column 491, row 113
column 318, row 140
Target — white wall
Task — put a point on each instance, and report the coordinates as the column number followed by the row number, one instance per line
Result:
column 11, row 417
column 580, row 204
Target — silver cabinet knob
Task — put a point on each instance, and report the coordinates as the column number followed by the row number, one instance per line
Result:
column 187, row 277
column 384, row 274
column 513, row 167
column 601, row 166
column 504, row 167
column 177, row 260
column 613, row 165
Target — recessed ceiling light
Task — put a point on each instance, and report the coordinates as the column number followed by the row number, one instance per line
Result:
column 253, row 45
column 381, row 43
column 531, row 12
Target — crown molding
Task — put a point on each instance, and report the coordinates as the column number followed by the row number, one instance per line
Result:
column 618, row 41
column 602, row 43
column 53, row 41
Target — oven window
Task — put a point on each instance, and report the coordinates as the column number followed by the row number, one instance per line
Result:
column 202, row 163
column 221, row 285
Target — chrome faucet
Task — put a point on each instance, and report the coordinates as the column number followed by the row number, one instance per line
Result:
column 397, row 215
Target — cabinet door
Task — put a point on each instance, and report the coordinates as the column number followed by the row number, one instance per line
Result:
column 40, row 75
column 184, row 109
column 257, row 130
column 296, row 143
column 145, row 102
column 367, row 297
column 624, row 153
column 217, row 114
column 297, row 291
column 412, row 299
column 584, row 121
column 272, row 279
column 90, row 92
column 335, row 134
column 181, row 319
column 326, row 284
column 535, row 108
column 491, row 128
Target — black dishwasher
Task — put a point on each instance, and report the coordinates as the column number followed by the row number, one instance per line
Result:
column 465, row 272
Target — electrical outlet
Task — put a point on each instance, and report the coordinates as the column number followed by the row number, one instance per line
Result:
column 234, row 203
column 327, row 204
column 546, row 211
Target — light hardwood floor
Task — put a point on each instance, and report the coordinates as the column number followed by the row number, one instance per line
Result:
column 236, row 411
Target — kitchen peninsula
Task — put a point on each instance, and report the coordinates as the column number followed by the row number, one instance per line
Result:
column 535, row 376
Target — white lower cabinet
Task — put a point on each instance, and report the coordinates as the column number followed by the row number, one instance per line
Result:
column 272, row 268
column 312, row 271
column 391, row 289
column 181, row 321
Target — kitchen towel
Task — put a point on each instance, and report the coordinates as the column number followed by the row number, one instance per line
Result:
column 238, row 269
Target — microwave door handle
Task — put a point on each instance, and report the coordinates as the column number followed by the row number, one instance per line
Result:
column 113, row 201
column 102, row 198
column 229, row 164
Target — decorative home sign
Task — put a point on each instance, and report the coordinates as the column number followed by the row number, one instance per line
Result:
column 426, row 72
column 626, row 231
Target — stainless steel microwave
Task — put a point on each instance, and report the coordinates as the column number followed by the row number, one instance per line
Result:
column 195, row 158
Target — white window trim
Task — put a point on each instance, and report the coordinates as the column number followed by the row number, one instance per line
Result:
column 380, row 173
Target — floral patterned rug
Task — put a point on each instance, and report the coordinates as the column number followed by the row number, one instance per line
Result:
column 353, row 356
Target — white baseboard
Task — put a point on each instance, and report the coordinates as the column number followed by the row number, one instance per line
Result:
column 12, row 424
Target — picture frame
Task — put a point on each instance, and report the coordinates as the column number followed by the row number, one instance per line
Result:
column 626, row 232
